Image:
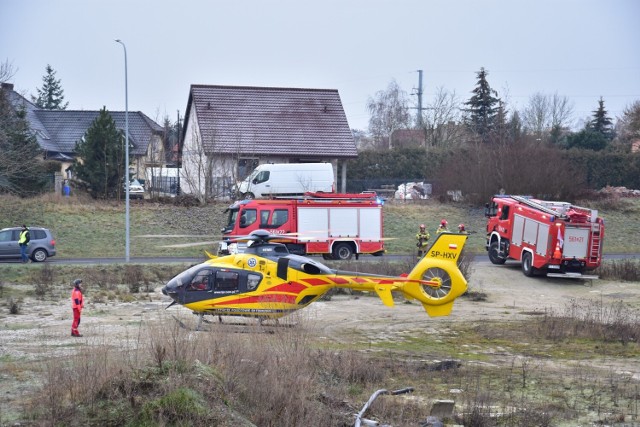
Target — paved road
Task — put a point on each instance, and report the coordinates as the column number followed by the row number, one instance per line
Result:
column 194, row 260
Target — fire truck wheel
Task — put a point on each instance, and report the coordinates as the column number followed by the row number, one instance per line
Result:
column 342, row 252
column 527, row 264
column 248, row 196
column 494, row 250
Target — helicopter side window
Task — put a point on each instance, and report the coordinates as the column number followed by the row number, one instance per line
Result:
column 200, row 282
column 227, row 280
column 248, row 217
column 253, row 280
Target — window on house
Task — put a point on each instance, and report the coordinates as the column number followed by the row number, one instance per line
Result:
column 245, row 167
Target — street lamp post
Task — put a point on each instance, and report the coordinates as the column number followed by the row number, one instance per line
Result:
column 126, row 151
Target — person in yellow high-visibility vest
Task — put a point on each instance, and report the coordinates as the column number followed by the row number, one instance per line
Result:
column 423, row 240
column 23, row 242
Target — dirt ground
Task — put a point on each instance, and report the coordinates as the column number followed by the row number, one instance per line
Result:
column 42, row 330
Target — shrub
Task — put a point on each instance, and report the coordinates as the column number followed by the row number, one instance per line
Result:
column 14, row 306
column 624, row 269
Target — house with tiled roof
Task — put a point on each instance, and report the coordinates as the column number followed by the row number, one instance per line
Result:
column 229, row 130
column 57, row 132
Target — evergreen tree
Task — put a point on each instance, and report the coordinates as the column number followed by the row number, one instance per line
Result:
column 22, row 170
column 171, row 139
column 601, row 123
column 587, row 139
column 515, row 127
column 483, row 108
column 51, row 96
column 100, row 158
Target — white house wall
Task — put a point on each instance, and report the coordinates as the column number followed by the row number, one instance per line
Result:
column 192, row 173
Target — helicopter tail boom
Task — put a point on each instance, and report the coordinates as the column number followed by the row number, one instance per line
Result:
column 436, row 281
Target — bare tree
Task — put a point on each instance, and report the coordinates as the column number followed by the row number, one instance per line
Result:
column 389, row 111
column 546, row 116
column 6, row 71
column 194, row 161
column 628, row 126
column 441, row 120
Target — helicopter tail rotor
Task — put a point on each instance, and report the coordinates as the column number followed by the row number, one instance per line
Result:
column 436, row 281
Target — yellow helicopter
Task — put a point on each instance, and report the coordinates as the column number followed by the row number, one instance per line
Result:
column 267, row 282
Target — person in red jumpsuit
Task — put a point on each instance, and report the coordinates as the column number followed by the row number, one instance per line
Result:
column 77, row 303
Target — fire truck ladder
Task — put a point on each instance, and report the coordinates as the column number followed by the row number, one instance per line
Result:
column 538, row 206
column 595, row 241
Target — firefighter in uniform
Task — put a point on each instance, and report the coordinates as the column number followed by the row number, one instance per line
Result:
column 462, row 229
column 423, row 240
column 77, row 303
column 442, row 228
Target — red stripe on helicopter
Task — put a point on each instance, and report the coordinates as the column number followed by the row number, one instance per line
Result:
column 339, row 280
column 290, row 287
column 316, row 282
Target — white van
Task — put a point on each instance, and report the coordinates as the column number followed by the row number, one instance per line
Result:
column 287, row 179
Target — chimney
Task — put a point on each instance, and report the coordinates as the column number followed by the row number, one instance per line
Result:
column 7, row 86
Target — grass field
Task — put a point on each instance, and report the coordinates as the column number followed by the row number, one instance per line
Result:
column 534, row 367
column 86, row 228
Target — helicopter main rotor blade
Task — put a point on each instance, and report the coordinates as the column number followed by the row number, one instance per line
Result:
column 164, row 236
column 188, row 245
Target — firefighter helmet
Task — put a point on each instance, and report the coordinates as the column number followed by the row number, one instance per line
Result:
column 422, row 227
column 461, row 227
column 443, row 223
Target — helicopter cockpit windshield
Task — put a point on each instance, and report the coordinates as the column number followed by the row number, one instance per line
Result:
column 181, row 279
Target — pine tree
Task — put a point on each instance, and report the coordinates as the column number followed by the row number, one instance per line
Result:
column 22, row 170
column 483, row 108
column 100, row 158
column 51, row 96
column 601, row 123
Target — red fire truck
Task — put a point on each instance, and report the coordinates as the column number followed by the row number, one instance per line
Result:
column 337, row 226
column 556, row 238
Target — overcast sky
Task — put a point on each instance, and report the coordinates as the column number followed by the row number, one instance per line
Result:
column 581, row 49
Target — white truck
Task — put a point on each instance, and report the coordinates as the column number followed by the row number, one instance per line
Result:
column 287, row 179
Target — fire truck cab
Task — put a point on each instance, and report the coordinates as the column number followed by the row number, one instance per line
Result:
column 553, row 238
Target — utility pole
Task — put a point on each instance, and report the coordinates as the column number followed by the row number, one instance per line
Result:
column 420, row 99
